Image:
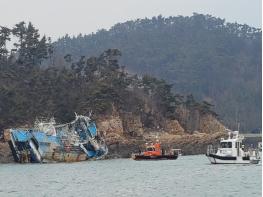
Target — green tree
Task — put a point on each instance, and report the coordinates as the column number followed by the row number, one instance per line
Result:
column 4, row 37
column 31, row 48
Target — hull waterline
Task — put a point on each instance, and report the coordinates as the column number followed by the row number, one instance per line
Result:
column 214, row 159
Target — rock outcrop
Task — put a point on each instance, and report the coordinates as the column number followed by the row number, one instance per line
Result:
column 209, row 124
column 174, row 127
column 111, row 124
column 5, row 153
column 130, row 136
column 191, row 144
column 132, row 125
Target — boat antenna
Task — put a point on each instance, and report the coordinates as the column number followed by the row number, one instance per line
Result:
column 237, row 118
column 76, row 114
column 90, row 113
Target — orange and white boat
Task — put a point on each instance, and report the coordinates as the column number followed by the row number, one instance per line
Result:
column 155, row 152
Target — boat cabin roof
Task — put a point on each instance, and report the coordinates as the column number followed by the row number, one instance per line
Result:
column 233, row 136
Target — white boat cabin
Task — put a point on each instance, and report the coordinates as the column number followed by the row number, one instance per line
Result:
column 232, row 150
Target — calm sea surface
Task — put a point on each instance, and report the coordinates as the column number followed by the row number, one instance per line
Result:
column 187, row 176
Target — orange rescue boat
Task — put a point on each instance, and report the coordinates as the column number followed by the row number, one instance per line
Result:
column 155, row 152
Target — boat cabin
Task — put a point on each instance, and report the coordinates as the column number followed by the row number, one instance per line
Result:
column 232, row 146
column 153, row 149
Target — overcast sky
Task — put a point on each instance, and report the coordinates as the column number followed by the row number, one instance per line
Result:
column 55, row 18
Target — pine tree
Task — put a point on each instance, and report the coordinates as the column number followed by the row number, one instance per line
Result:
column 31, row 48
column 4, row 37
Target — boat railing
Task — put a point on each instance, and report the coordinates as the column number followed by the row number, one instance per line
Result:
column 176, row 151
column 211, row 149
column 254, row 152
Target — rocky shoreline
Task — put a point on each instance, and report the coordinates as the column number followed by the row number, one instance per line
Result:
column 123, row 147
column 125, row 135
column 128, row 135
column 189, row 144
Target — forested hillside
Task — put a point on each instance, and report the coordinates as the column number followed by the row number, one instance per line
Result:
column 98, row 84
column 202, row 55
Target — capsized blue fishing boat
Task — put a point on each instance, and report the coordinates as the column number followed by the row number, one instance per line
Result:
column 48, row 142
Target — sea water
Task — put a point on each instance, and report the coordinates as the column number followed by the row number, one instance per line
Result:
column 185, row 177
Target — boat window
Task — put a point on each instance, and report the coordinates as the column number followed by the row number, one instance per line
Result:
column 226, row 144
column 229, row 144
column 150, row 149
column 223, row 144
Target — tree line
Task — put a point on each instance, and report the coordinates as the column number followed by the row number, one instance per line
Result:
column 31, row 86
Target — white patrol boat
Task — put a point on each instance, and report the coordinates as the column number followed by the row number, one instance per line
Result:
column 231, row 151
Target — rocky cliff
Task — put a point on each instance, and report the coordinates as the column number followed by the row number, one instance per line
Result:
column 127, row 134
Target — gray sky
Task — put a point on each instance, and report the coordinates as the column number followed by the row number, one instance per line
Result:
column 55, row 18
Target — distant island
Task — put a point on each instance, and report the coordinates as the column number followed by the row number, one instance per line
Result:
column 39, row 78
column 202, row 55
